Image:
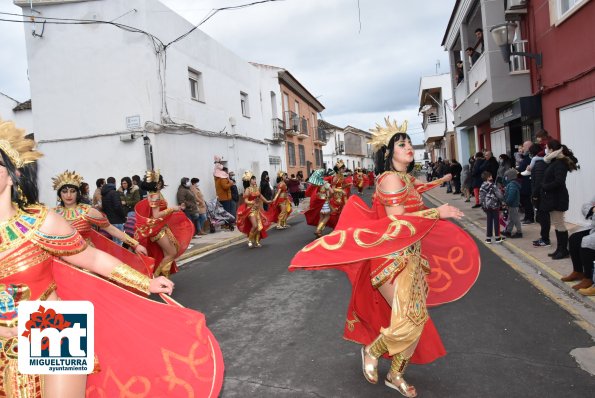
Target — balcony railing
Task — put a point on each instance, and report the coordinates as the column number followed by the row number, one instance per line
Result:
column 292, row 122
column 518, row 63
column 460, row 93
column 320, row 137
column 303, row 128
column 278, row 130
column 478, row 74
column 432, row 119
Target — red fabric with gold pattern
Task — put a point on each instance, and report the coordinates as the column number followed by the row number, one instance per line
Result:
column 317, row 198
column 273, row 212
column 147, row 227
column 451, row 252
column 145, row 348
column 243, row 222
column 371, row 178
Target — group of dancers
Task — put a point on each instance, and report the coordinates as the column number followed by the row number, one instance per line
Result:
column 400, row 257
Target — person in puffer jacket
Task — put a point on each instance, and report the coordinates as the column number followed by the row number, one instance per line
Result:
column 512, row 199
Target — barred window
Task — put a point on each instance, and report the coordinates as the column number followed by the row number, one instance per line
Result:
column 291, row 153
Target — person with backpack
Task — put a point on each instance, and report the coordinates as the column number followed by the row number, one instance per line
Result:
column 490, row 199
column 512, row 199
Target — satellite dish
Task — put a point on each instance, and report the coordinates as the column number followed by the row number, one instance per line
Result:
column 425, row 108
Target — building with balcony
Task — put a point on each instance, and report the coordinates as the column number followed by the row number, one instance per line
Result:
column 348, row 144
column 494, row 106
column 562, row 32
column 435, row 104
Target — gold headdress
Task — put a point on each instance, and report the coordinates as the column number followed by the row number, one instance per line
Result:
column 339, row 164
column 281, row 173
column 67, row 178
column 247, row 175
column 382, row 135
column 152, row 175
column 18, row 148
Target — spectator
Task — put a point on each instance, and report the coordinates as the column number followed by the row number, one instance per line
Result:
column 479, row 43
column 512, row 199
column 526, row 186
column 223, row 185
column 504, row 163
column 235, row 196
column 96, row 203
column 477, row 181
column 491, row 164
column 187, row 200
column 300, row 177
column 472, row 54
column 455, row 170
column 265, row 188
column 136, row 180
column 554, row 195
column 491, row 200
column 459, row 73
column 293, row 186
column 542, row 138
column 542, row 217
column 85, row 193
column 466, row 178
column 518, row 156
column 200, row 202
column 111, row 204
column 130, row 195
column 582, row 253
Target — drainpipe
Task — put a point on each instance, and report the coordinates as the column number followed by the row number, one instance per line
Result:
column 148, row 152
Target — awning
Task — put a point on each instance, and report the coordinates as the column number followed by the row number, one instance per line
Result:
column 525, row 107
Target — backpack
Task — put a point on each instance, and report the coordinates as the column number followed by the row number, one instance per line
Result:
column 493, row 198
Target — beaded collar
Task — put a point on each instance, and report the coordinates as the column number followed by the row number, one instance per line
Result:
column 21, row 226
column 72, row 214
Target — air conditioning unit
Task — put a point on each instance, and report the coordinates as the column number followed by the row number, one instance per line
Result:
column 516, row 5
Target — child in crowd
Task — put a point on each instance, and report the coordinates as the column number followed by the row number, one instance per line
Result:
column 512, row 198
column 490, row 199
column 542, row 137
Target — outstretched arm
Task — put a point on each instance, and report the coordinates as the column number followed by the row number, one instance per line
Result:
column 422, row 187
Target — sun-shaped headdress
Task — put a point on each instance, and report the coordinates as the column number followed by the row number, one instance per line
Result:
column 247, row 175
column 281, row 173
column 13, row 143
column 382, row 135
column 67, row 178
column 152, row 175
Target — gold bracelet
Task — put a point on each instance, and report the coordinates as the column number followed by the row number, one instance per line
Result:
column 128, row 276
column 168, row 211
column 130, row 241
column 427, row 213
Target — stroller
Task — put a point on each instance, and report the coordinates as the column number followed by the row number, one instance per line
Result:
column 218, row 216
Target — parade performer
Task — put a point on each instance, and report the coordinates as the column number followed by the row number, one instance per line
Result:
column 394, row 254
column 360, row 180
column 341, row 189
column 319, row 211
column 165, row 231
column 84, row 218
column 36, row 248
column 281, row 203
column 252, row 220
column 371, row 178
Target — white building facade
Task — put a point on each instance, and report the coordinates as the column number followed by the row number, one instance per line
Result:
column 18, row 112
column 110, row 102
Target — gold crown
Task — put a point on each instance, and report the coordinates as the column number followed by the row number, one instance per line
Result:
column 152, row 175
column 67, row 178
column 247, row 175
column 281, row 173
column 14, row 144
column 382, row 135
column 339, row 164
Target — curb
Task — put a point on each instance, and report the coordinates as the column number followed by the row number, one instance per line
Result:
column 551, row 275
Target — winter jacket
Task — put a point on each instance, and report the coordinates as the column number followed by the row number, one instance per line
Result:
column 266, row 190
column 200, row 200
column 588, row 241
column 131, row 197
column 537, row 174
column 491, row 165
column 554, row 195
column 111, row 204
column 455, row 170
column 476, row 173
column 525, row 180
column 185, row 195
column 223, row 188
column 512, row 193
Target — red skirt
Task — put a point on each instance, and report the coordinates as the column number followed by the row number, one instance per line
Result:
column 245, row 225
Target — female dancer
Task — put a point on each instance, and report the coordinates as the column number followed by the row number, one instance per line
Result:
column 319, row 212
column 32, row 241
column 387, row 251
column 252, row 219
column 166, row 231
column 281, row 205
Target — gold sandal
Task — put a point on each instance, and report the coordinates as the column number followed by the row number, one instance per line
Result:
column 370, row 370
column 397, row 382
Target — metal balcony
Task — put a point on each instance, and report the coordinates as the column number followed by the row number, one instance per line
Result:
column 278, row 130
column 320, row 137
column 303, row 129
column 291, row 122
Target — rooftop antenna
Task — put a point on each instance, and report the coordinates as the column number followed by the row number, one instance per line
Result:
column 437, row 65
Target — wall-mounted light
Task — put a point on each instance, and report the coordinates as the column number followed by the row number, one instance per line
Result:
column 503, row 35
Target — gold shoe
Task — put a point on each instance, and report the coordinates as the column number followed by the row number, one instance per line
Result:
column 589, row 291
column 397, row 382
column 370, row 370
column 250, row 244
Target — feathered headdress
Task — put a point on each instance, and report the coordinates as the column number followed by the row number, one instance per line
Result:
column 382, row 135
column 247, row 175
column 152, row 175
column 339, row 164
column 67, row 178
column 317, row 177
column 20, row 150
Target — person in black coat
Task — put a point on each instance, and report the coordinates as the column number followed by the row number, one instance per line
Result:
column 526, row 186
column 111, row 204
column 476, row 180
column 554, row 194
column 455, row 170
column 491, row 164
column 542, row 217
column 265, row 188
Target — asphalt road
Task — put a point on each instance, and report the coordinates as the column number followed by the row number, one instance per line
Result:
column 281, row 332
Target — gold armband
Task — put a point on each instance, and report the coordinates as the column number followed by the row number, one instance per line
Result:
column 127, row 276
column 168, row 211
column 130, row 241
column 428, row 213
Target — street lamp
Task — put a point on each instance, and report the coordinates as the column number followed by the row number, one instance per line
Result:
column 503, row 35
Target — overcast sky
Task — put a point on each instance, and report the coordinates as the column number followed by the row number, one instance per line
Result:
column 359, row 74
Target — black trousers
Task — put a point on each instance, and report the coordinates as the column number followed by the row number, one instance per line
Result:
column 582, row 259
column 528, row 206
column 493, row 222
column 543, row 218
column 457, row 184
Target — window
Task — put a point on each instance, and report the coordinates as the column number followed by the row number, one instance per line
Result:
column 245, row 105
column 313, row 123
column 291, row 153
column 296, row 108
column 302, row 150
column 196, row 87
column 318, row 156
column 562, row 9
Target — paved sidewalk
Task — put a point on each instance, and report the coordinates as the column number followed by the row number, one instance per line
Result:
column 554, row 269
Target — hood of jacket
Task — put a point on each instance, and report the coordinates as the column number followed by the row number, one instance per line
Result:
column 108, row 187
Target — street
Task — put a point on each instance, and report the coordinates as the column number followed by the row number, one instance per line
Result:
column 281, row 332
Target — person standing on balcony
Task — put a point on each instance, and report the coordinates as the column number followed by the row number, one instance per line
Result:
column 472, row 54
column 459, row 73
column 479, row 43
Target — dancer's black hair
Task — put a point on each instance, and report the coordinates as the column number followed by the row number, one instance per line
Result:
column 384, row 156
column 24, row 178
column 77, row 189
column 152, row 186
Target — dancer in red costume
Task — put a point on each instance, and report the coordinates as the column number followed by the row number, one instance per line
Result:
column 360, row 180
column 127, row 326
column 371, row 178
column 252, row 220
column 165, row 231
column 393, row 254
column 85, row 218
column 281, row 204
column 319, row 211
